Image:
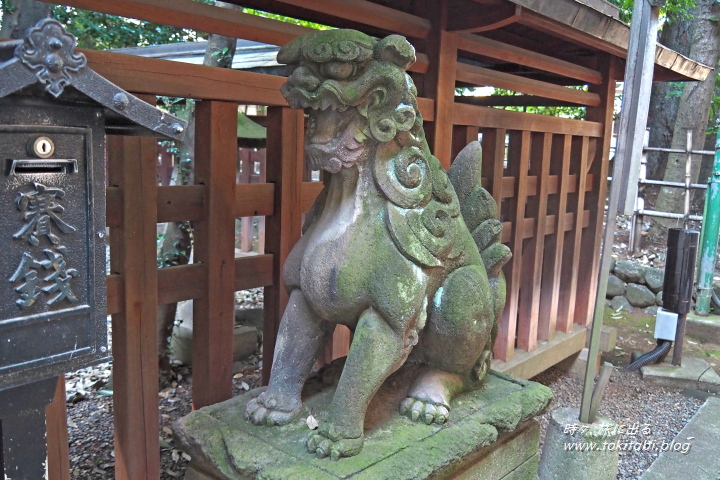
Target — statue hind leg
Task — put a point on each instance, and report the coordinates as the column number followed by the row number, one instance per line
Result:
column 456, row 344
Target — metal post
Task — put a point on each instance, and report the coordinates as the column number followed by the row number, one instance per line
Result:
column 709, row 238
column 635, row 240
column 688, row 166
column 679, row 340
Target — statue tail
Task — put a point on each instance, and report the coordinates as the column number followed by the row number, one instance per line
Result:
column 478, row 208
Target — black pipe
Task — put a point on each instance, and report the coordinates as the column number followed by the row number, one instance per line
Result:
column 655, row 356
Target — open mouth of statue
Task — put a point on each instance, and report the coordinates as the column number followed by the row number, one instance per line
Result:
column 330, row 141
column 330, row 132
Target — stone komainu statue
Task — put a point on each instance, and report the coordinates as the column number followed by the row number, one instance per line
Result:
column 403, row 253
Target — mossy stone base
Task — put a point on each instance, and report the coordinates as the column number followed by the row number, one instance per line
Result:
column 489, row 435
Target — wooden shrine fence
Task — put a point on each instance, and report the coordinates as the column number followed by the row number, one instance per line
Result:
column 547, row 174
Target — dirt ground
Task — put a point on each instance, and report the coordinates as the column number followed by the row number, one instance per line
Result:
column 635, row 329
column 635, row 333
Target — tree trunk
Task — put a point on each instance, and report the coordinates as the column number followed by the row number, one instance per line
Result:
column 177, row 244
column 692, row 110
column 665, row 98
column 19, row 15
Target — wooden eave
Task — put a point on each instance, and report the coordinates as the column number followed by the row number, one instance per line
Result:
column 583, row 24
column 589, row 25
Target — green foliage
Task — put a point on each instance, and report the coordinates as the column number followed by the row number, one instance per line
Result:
column 673, row 9
column 171, row 258
column 575, row 113
column 100, row 31
column 294, row 21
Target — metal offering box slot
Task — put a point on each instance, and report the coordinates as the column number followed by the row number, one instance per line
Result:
column 19, row 166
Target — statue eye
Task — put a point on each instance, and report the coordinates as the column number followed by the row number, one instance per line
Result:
column 338, row 70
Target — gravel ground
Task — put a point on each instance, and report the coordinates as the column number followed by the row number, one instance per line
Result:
column 661, row 412
column 90, row 413
column 90, row 410
column 90, row 422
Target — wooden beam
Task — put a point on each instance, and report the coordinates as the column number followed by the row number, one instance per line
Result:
column 482, row 19
column 214, row 312
column 479, row 76
column 361, row 11
column 527, row 58
column 528, row 364
column 253, row 271
column 131, row 167
column 496, row 118
column 164, row 77
column 187, row 282
column 179, row 203
column 254, row 199
column 198, row 16
column 562, row 30
column 285, row 153
column 512, row 101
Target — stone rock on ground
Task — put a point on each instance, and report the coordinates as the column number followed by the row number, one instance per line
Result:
column 615, row 287
column 639, row 295
column 612, row 265
column 651, row 310
column 620, row 303
column 658, row 299
column 654, row 278
column 628, row 271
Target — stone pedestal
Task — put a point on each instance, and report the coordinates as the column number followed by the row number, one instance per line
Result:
column 573, row 449
column 490, row 435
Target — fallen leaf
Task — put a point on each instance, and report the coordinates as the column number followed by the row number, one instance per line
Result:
column 312, row 423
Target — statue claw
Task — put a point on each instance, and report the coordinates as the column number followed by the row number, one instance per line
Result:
column 270, row 411
column 424, row 411
column 321, row 445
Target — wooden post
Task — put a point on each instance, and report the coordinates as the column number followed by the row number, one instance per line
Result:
column 533, row 255
column 214, row 312
column 518, row 162
column 284, row 169
column 132, row 167
column 493, row 157
column 440, row 82
column 58, row 451
column 592, row 236
column 554, row 244
column 571, row 260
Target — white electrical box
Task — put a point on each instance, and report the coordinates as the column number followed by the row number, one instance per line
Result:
column 666, row 325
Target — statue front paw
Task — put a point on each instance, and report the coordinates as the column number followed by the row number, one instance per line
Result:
column 269, row 409
column 329, row 442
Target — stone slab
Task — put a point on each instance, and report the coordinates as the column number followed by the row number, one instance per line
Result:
column 694, row 373
column 608, row 338
column 576, row 365
column 701, row 462
column 224, row 446
column 513, row 454
column 706, row 329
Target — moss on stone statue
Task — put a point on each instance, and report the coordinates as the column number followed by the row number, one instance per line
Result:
column 223, row 444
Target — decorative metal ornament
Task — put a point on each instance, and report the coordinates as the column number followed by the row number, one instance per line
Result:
column 50, row 51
